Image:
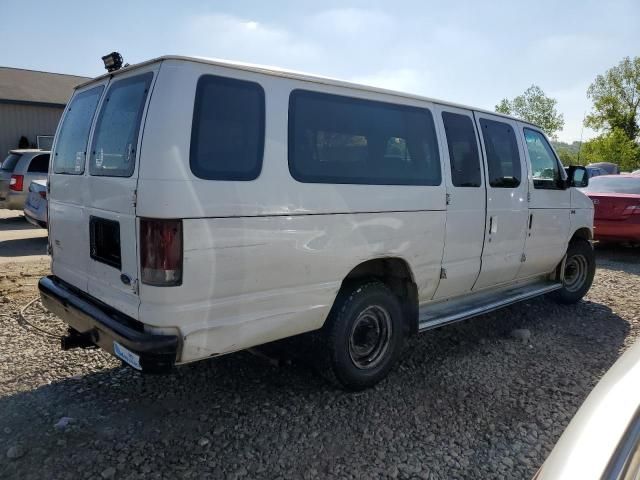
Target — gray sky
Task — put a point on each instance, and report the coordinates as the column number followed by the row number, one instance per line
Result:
column 468, row 52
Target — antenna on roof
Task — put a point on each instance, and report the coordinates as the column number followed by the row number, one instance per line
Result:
column 112, row 62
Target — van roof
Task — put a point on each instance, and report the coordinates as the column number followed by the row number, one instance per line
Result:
column 281, row 72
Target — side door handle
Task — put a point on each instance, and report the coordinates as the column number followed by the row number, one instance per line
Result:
column 530, row 220
column 493, row 225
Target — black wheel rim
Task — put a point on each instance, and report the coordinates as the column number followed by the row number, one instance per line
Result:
column 370, row 337
column 575, row 272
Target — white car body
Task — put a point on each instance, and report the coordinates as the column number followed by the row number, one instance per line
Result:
column 35, row 208
column 602, row 440
column 264, row 259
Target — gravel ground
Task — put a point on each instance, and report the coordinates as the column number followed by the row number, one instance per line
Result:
column 466, row 401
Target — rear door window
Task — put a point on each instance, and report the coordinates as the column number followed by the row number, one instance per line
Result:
column 227, row 138
column 503, row 159
column 10, row 162
column 115, row 140
column 71, row 147
column 39, row 164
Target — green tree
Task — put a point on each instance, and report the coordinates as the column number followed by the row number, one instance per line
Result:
column 534, row 107
column 616, row 115
column 616, row 99
column 613, row 146
column 568, row 152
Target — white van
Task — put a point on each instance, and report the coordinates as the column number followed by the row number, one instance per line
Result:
column 201, row 207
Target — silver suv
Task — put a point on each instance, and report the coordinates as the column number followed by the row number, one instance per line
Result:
column 17, row 172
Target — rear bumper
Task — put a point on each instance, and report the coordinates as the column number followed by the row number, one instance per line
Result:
column 616, row 230
column 14, row 201
column 103, row 325
column 33, row 220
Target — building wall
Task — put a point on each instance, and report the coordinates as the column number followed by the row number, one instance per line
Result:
column 17, row 120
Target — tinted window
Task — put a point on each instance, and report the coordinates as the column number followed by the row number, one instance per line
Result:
column 503, row 160
column 617, row 184
column 545, row 168
column 10, row 162
column 115, row 139
column 39, row 164
column 463, row 150
column 227, row 137
column 335, row 139
column 71, row 148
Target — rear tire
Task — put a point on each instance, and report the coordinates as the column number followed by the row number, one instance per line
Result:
column 363, row 336
column 579, row 270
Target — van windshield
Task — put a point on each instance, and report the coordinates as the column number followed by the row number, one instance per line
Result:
column 10, row 162
column 116, row 136
column 71, row 148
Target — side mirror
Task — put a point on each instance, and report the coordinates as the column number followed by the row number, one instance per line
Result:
column 577, row 176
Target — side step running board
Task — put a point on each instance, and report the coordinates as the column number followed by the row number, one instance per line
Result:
column 442, row 313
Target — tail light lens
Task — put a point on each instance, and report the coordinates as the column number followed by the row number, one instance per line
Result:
column 161, row 252
column 43, row 194
column 16, row 183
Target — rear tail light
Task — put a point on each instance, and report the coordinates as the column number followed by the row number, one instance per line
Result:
column 43, row 194
column 16, row 183
column 161, row 252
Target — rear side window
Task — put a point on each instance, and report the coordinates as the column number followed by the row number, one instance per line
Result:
column 227, row 136
column 115, row 140
column 503, row 159
column 39, row 164
column 463, row 150
column 10, row 162
column 336, row 139
column 71, row 147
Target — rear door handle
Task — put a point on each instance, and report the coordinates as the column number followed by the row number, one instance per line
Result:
column 530, row 220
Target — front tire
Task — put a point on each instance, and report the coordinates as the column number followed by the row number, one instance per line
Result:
column 579, row 270
column 363, row 336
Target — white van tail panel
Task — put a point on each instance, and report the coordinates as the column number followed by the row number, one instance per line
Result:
column 94, row 225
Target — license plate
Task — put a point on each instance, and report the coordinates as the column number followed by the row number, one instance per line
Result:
column 127, row 355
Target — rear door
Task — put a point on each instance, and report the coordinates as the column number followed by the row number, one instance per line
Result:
column 112, row 266
column 466, row 202
column 92, row 188
column 68, row 224
column 507, row 208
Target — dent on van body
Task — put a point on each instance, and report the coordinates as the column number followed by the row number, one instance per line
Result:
column 251, row 280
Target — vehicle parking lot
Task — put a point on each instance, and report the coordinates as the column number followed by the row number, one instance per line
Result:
column 473, row 400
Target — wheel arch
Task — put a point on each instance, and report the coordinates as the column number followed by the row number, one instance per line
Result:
column 397, row 275
column 582, row 233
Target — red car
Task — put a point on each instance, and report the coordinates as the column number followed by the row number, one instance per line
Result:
column 616, row 200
